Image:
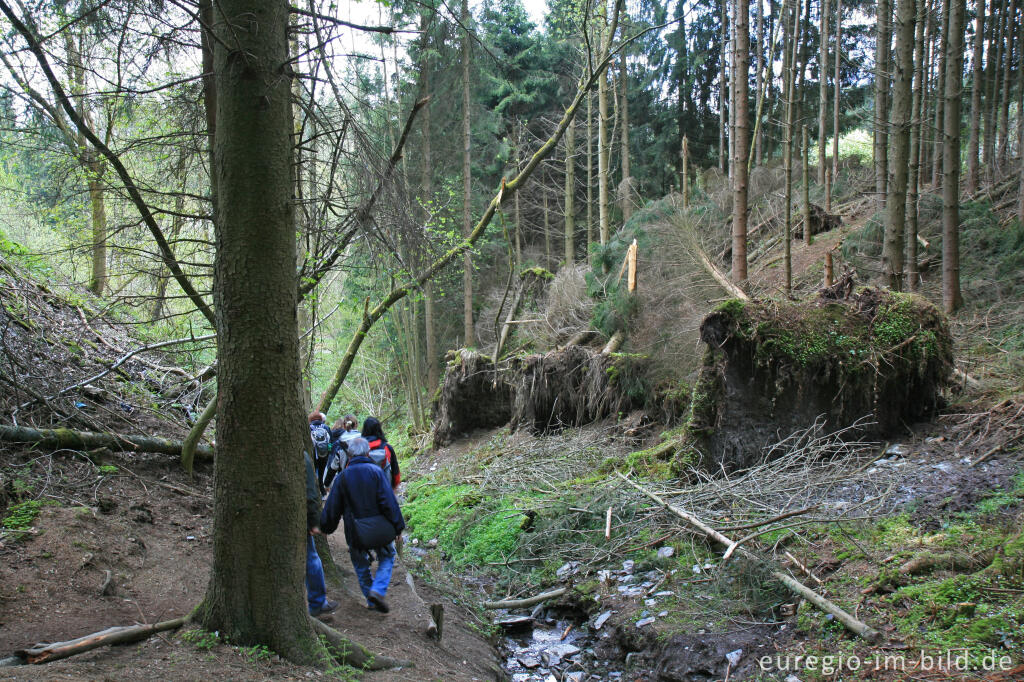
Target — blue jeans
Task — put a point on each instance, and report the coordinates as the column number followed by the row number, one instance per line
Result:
column 316, row 588
column 361, row 562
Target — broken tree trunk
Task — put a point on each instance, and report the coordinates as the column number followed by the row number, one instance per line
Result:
column 88, row 440
column 857, row 627
column 44, row 653
column 344, row 650
column 434, row 628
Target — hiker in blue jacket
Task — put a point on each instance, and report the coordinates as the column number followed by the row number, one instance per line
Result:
column 362, row 496
column 316, row 587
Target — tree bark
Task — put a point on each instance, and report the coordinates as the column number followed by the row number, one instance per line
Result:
column 805, row 153
column 723, row 86
column 590, row 174
column 995, row 57
column 627, row 178
column 603, row 150
column 899, row 126
column 256, row 593
column 940, row 95
column 467, row 194
column 741, row 50
column 836, row 90
column 822, row 90
column 685, row 179
column 787, row 150
column 951, row 296
column 568, row 237
column 916, row 107
column 881, row 116
column 1003, row 118
column 976, row 82
column 759, row 80
column 68, row 439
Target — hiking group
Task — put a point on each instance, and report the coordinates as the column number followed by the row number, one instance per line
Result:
column 355, row 475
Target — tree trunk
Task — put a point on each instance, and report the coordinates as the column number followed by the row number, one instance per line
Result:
column 68, row 439
column 722, row 86
column 467, row 193
column 993, row 58
column 741, row 51
column 916, row 106
column 836, row 90
column 787, row 150
column 590, row 174
column 427, row 200
column 881, row 142
column 627, row 178
column 685, row 179
column 603, row 145
column 822, row 90
column 940, row 95
column 98, row 214
column 976, row 81
column 570, row 197
column 1003, row 119
column 547, row 231
column 759, row 82
column 951, row 296
column 899, row 126
column 805, row 153
column 256, row 593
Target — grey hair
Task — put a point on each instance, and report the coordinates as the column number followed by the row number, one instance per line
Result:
column 358, row 446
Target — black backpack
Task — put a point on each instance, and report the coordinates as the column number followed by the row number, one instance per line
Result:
column 321, row 436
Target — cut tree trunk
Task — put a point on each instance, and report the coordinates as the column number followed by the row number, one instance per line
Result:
column 126, row 634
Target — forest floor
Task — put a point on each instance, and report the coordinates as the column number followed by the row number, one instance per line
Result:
column 117, row 539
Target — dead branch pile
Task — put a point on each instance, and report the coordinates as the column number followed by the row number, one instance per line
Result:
column 568, row 387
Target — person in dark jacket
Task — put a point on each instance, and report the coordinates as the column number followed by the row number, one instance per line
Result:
column 374, row 435
column 363, row 498
column 316, row 587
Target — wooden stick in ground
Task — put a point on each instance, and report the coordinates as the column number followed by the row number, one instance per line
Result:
column 523, row 603
column 116, row 635
column 433, row 630
column 857, row 627
column 608, row 525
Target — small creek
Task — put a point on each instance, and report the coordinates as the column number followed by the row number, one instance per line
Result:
column 537, row 649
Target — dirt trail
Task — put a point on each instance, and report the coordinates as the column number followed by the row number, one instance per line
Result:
column 156, row 544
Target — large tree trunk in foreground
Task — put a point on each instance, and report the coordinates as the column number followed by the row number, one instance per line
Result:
column 916, row 107
column 256, row 593
column 951, row 296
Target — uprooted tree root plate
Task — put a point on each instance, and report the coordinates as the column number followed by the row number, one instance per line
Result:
column 772, row 367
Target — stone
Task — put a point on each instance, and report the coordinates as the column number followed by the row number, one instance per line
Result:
column 550, row 658
column 734, row 657
column 666, row 552
column 645, row 621
column 602, row 619
column 567, row 569
column 628, row 565
column 528, row 662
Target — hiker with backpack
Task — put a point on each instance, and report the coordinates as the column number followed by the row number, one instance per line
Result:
column 362, row 496
column 381, row 451
column 342, row 434
column 316, row 586
column 320, row 434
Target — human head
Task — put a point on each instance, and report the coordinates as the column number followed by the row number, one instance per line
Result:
column 358, row 446
column 315, row 415
column 372, row 428
column 350, row 422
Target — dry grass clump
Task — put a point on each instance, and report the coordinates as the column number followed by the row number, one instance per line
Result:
column 565, row 311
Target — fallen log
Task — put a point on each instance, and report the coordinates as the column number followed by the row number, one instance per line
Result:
column 434, row 628
column 126, row 634
column 70, row 439
column 857, row 627
column 523, row 603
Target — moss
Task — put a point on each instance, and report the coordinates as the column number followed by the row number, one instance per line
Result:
column 538, row 272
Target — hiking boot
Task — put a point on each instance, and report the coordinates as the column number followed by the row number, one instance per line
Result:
column 329, row 607
column 377, row 599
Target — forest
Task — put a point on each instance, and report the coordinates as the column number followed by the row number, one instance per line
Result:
column 697, row 330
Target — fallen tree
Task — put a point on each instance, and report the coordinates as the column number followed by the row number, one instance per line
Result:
column 858, row 627
column 567, row 387
column 774, row 367
column 69, row 439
